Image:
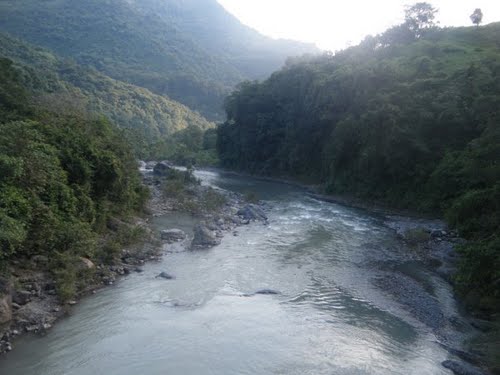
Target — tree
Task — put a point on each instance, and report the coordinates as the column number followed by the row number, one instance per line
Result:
column 419, row 17
column 477, row 17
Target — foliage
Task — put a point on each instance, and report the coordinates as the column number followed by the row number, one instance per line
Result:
column 413, row 122
column 57, row 84
column 63, row 175
column 192, row 51
column 187, row 147
column 477, row 17
column 212, row 200
column 419, row 17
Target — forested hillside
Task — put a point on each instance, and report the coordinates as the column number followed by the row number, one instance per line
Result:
column 193, row 51
column 412, row 120
column 63, row 176
column 59, row 83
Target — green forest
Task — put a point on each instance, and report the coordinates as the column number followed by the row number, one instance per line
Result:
column 409, row 118
column 58, row 82
column 63, row 176
column 192, row 51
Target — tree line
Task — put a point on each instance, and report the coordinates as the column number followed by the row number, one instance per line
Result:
column 64, row 175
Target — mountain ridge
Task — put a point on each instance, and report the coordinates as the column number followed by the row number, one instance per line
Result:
column 52, row 79
column 194, row 52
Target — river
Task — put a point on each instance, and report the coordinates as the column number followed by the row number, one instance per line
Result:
column 332, row 316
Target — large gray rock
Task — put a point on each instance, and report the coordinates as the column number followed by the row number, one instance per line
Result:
column 204, row 238
column 252, row 212
column 172, row 235
column 162, row 169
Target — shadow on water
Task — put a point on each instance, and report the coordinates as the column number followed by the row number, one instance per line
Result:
column 338, row 305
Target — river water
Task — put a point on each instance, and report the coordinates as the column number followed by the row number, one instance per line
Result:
column 332, row 315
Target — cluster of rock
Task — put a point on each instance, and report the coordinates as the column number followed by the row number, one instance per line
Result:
column 31, row 306
column 431, row 240
column 209, row 233
column 172, row 235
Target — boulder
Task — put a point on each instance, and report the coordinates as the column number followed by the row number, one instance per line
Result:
column 172, row 235
column 86, row 264
column 204, row 238
column 162, row 169
column 21, row 297
column 252, row 212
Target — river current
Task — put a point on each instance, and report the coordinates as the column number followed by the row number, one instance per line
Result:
column 332, row 315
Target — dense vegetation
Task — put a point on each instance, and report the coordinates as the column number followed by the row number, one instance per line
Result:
column 410, row 118
column 63, row 176
column 58, row 83
column 191, row 50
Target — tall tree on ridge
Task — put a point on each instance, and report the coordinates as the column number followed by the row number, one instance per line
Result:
column 419, row 17
column 477, row 17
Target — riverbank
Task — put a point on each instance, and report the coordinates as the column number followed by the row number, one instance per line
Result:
column 218, row 211
column 432, row 242
column 30, row 298
column 29, row 302
column 342, row 280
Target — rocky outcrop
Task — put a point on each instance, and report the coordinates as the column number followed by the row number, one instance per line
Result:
column 204, row 238
column 172, row 235
column 251, row 212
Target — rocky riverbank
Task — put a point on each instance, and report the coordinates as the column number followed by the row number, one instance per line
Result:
column 434, row 244
column 218, row 211
column 29, row 300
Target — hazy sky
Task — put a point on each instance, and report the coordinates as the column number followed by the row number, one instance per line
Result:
column 333, row 25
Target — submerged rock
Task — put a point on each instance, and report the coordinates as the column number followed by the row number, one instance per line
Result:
column 172, row 235
column 263, row 292
column 165, row 276
column 204, row 238
column 252, row 212
column 462, row 368
column 267, row 291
